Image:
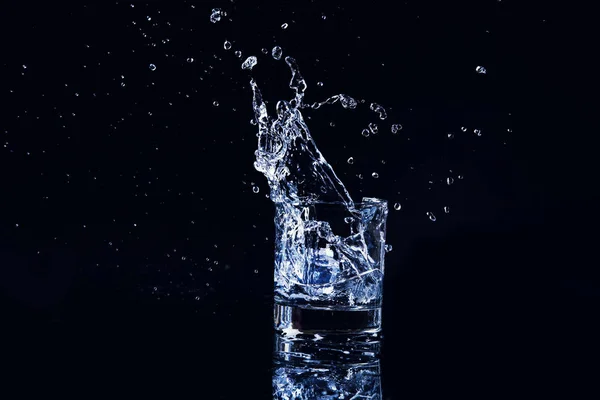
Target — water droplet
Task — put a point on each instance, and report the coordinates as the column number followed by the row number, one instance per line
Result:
column 216, row 103
column 348, row 220
column 320, row 84
column 215, row 15
column 366, row 133
column 431, row 216
column 480, row 70
column 463, row 128
column 152, row 67
column 388, row 248
column 477, row 132
column 446, row 209
column 227, row 45
column 450, row 180
column 284, row 26
column 373, row 128
column 190, row 60
column 379, row 110
column 450, row 135
column 396, row 128
column 249, row 63
column 255, row 189
column 347, row 102
column 238, row 54
column 332, row 124
column 276, row 52
column 375, row 175
column 351, row 160
column 397, row 206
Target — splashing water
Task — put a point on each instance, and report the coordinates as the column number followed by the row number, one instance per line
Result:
column 249, row 63
column 379, row 110
column 276, row 52
column 216, row 15
column 312, row 264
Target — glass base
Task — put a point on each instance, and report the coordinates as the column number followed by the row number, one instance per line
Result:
column 327, row 321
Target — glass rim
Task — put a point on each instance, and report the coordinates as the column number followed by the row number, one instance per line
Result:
column 373, row 201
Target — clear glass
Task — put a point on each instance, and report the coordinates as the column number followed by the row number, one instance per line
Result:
column 329, row 265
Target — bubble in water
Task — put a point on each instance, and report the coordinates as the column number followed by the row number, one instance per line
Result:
column 397, row 206
column 446, row 209
column 351, row 160
column 360, row 176
column 431, row 216
column 396, row 128
column 463, row 128
column 197, row 298
column 348, row 220
column 366, row 133
column 152, row 67
column 238, row 54
column 388, row 248
column 373, row 128
column 249, row 63
column 509, row 130
column 148, row 18
column 480, row 70
column 276, row 52
column 216, row 14
column 255, row 189
column 332, row 124
column 284, row 26
column 347, row 101
column 450, row 135
column 227, row 45
column 122, row 84
column 264, row 50
column 256, row 271
column 216, row 103
column 375, row 175
column 450, row 180
column 379, row 110
column 460, row 177
column 253, row 121
column 320, row 84
column 477, row 132
column 190, row 60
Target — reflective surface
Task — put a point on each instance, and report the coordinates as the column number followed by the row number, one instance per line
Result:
column 331, row 367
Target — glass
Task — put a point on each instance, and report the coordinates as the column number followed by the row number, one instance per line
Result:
column 329, row 264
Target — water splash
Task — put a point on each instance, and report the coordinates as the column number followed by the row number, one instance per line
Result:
column 379, row 110
column 276, row 52
column 249, row 63
column 312, row 263
column 216, row 15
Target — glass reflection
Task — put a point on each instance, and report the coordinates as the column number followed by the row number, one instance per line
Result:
column 335, row 367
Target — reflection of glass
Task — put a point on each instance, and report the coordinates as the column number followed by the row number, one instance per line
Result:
column 329, row 263
column 326, row 368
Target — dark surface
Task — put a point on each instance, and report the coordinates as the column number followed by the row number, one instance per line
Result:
column 497, row 297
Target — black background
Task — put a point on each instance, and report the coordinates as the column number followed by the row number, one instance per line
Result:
column 115, row 277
